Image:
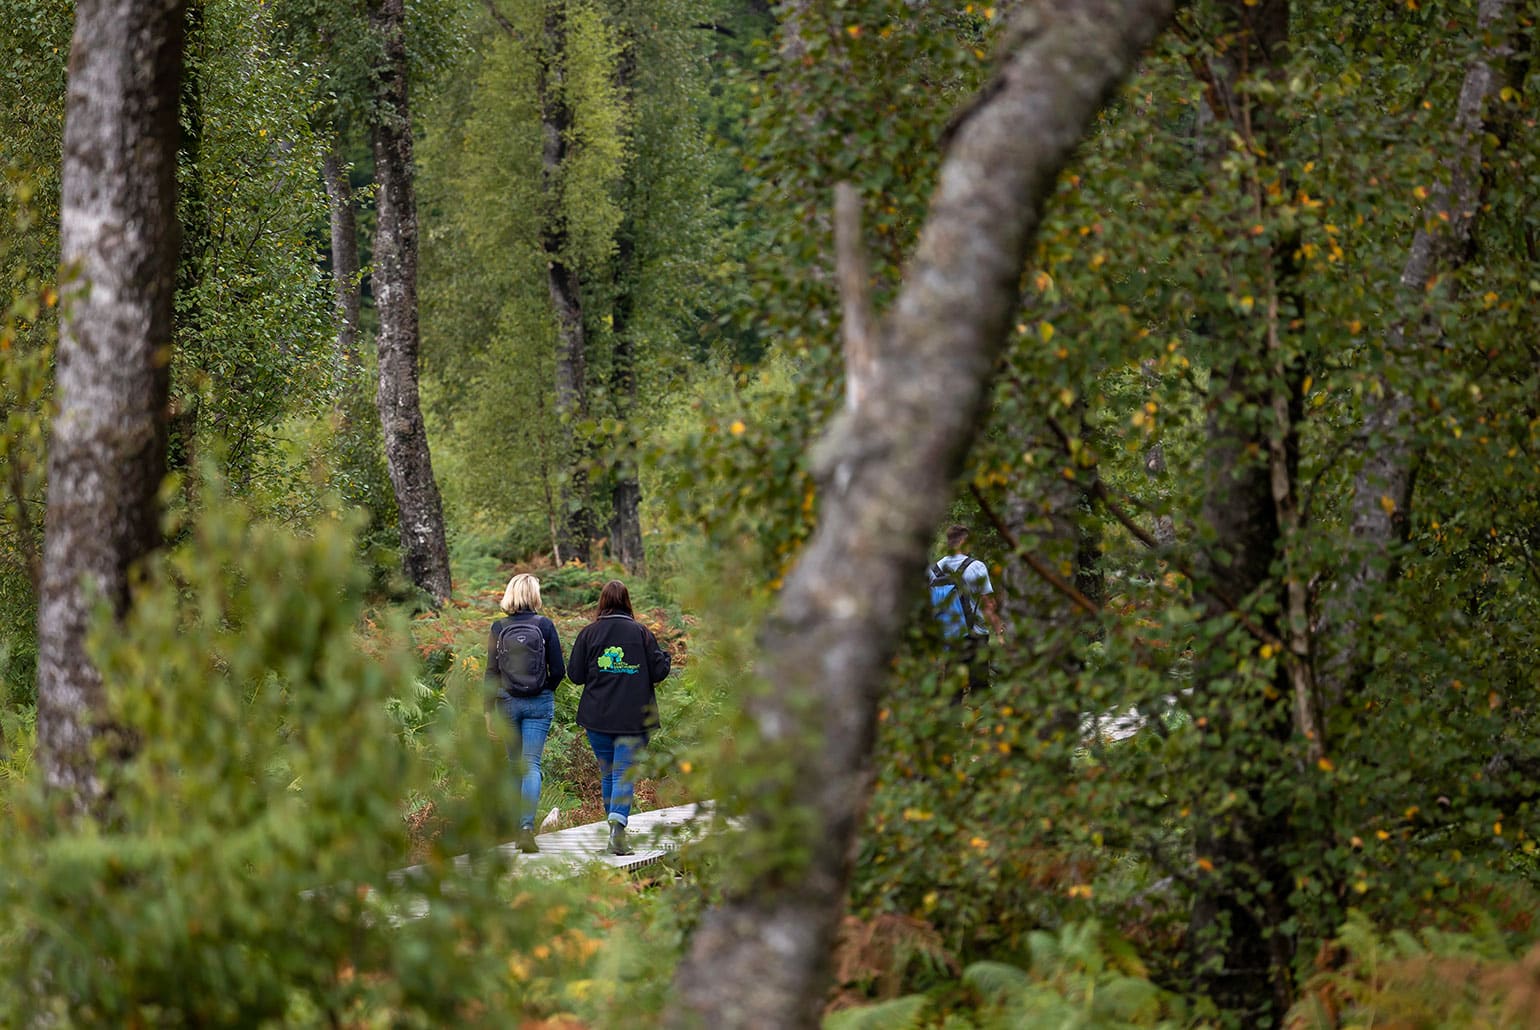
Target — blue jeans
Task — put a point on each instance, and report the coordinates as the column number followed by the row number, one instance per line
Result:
column 616, row 754
column 531, row 718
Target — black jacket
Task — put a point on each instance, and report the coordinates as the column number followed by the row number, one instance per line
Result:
column 618, row 661
column 555, row 670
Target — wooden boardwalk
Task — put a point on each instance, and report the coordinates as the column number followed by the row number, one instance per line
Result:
column 651, row 835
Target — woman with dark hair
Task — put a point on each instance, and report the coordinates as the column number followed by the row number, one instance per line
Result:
column 618, row 662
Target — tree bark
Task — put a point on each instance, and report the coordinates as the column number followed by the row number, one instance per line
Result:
column 761, row 957
column 577, row 520
column 626, row 491
column 345, row 287
column 1237, row 928
column 1382, row 489
column 107, row 456
column 395, row 292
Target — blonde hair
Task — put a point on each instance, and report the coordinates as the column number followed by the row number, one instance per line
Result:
column 522, row 595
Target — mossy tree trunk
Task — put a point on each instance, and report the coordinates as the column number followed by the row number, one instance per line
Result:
column 423, row 545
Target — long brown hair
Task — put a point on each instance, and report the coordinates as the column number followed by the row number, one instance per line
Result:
column 615, row 598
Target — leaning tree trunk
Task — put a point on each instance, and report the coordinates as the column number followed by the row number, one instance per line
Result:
column 761, row 957
column 395, row 295
column 1382, row 489
column 107, row 456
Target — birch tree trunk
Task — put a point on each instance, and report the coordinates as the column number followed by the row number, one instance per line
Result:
column 761, row 957
column 395, row 291
column 107, row 454
column 344, row 234
column 1382, row 489
column 626, row 490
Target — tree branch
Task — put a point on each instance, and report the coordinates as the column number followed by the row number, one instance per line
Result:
column 1034, row 563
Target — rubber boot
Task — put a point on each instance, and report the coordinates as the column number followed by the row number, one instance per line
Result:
column 618, row 840
column 526, row 841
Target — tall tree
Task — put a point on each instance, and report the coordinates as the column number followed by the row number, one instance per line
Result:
column 423, row 544
column 761, row 957
column 1382, row 487
column 344, row 250
column 585, row 119
column 118, row 239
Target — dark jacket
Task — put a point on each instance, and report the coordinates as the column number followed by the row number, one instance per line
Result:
column 555, row 669
column 618, row 661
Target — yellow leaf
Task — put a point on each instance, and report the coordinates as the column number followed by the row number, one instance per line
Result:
column 979, row 843
column 1045, row 330
column 1382, row 835
column 1304, row 388
column 1387, row 504
column 1206, row 865
column 1421, row 193
column 737, row 428
column 1509, row 94
column 1247, row 303
column 1497, row 828
column 1325, row 765
column 854, row 31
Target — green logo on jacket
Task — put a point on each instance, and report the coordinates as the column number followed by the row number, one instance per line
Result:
column 614, row 660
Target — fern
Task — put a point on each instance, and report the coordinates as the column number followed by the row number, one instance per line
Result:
column 899, row 1014
column 997, row 981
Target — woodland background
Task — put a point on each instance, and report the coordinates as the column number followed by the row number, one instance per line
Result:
column 1218, row 325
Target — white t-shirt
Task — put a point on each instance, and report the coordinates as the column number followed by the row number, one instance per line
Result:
column 976, row 579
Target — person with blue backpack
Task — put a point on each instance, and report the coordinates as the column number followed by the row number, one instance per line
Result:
column 524, row 667
column 962, row 600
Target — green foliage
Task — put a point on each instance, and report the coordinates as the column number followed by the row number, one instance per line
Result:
column 254, row 327
column 243, row 876
column 1079, row 977
column 897, row 1014
column 629, row 214
column 1433, row 978
column 34, row 39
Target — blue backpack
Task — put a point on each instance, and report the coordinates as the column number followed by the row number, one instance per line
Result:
column 951, row 602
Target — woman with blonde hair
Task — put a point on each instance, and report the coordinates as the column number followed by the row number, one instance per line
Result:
column 524, row 666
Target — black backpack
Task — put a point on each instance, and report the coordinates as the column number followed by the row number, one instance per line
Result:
column 521, row 658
